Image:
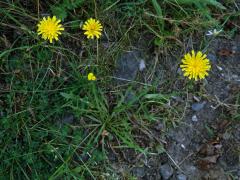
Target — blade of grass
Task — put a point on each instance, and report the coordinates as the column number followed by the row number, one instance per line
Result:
column 159, row 12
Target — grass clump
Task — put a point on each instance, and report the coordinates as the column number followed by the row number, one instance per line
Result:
column 63, row 9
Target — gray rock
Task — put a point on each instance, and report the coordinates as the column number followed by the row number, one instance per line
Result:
column 138, row 171
column 212, row 57
column 177, row 99
column 181, row 177
column 180, row 72
column 190, row 170
column 178, row 136
column 128, row 65
column 226, row 136
column 198, row 106
column 159, row 126
column 166, row 171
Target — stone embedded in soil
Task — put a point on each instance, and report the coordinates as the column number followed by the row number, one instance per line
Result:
column 177, row 98
column 180, row 72
column 191, row 171
column 212, row 57
column 142, row 65
column 178, row 136
column 138, row 171
column 128, row 65
column 226, row 136
column 219, row 68
column 194, row 118
column 198, row 106
column 166, row 171
column 181, row 177
column 159, row 126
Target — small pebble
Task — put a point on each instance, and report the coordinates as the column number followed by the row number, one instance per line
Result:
column 159, row 126
column 181, row 177
column 190, row 169
column 212, row 57
column 198, row 106
column 166, row 171
column 234, row 76
column 194, row 118
column 142, row 65
column 138, row 171
column 219, row 68
column 177, row 98
column 196, row 98
column 226, row 136
column 205, row 82
column 179, row 71
column 183, row 146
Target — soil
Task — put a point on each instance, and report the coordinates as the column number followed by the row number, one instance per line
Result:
column 206, row 143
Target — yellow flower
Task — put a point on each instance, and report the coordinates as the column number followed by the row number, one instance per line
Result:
column 91, row 77
column 49, row 28
column 195, row 66
column 93, row 28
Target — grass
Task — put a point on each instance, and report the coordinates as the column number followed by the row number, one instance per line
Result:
column 55, row 124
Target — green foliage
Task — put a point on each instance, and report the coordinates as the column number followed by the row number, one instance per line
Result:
column 131, row 9
column 95, row 108
column 168, row 15
column 159, row 12
column 61, row 10
column 200, row 3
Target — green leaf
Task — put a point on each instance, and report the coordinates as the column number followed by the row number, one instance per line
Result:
column 159, row 41
column 67, row 96
column 60, row 12
column 158, row 10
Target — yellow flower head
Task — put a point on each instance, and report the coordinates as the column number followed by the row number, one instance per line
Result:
column 195, row 66
column 93, row 28
column 91, row 77
column 49, row 28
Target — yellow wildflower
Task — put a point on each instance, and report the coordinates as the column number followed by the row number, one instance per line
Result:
column 49, row 28
column 195, row 66
column 93, row 28
column 91, row 77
